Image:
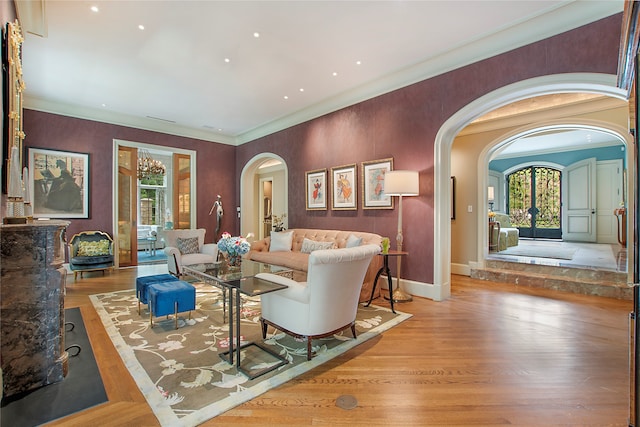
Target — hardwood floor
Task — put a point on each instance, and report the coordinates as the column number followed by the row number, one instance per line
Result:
column 490, row 355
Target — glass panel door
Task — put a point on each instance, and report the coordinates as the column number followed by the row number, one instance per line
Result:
column 127, row 215
column 534, row 202
column 182, row 190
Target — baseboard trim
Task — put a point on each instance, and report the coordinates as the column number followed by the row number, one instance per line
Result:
column 461, row 269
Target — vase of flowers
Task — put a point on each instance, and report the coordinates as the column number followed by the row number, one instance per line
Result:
column 233, row 247
column 492, row 216
column 278, row 222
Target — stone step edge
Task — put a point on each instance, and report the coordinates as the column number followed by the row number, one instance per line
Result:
column 543, row 276
column 552, row 270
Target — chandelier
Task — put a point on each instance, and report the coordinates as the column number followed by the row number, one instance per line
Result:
column 148, row 167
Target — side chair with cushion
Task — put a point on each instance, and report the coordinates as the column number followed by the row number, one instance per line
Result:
column 509, row 234
column 326, row 303
column 90, row 251
column 187, row 247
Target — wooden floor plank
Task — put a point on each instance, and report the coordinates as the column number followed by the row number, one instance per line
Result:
column 491, row 355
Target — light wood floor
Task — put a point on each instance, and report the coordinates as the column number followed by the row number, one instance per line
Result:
column 490, row 355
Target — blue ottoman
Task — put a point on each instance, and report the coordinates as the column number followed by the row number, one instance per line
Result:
column 143, row 282
column 170, row 297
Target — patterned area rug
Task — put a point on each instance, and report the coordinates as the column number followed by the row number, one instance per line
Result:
column 180, row 371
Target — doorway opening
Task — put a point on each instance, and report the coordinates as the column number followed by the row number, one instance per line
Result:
column 564, row 211
column 145, row 205
column 264, row 194
column 561, row 83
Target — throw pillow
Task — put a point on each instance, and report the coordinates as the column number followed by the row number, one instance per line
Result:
column 93, row 248
column 100, row 247
column 309, row 246
column 281, row 241
column 353, row 241
column 188, row 245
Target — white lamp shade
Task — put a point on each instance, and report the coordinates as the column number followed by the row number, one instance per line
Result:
column 401, row 183
column 491, row 194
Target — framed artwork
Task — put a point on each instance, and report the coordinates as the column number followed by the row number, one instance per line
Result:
column 59, row 183
column 344, row 188
column 373, row 173
column 316, row 185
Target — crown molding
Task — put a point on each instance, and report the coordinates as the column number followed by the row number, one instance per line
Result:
column 561, row 19
column 105, row 116
column 32, row 15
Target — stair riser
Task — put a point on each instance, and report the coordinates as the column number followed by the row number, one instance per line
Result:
column 604, row 289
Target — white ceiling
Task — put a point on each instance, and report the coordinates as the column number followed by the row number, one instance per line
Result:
column 172, row 76
column 559, row 141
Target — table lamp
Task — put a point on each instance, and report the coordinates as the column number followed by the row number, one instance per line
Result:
column 491, row 196
column 400, row 183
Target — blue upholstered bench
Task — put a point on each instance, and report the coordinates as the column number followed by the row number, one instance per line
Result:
column 170, row 297
column 142, row 283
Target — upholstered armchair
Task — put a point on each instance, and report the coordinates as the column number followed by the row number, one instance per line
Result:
column 187, row 247
column 326, row 303
column 90, row 251
column 509, row 235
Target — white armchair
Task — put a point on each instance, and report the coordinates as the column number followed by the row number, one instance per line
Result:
column 326, row 303
column 183, row 249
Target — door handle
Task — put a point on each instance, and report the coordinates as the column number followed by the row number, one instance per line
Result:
column 593, row 211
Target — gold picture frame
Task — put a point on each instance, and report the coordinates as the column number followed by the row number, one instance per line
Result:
column 372, row 178
column 344, row 188
column 316, row 189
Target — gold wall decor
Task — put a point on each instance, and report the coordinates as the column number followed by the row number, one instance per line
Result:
column 14, row 134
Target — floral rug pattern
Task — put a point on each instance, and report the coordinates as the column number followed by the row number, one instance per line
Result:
column 180, row 371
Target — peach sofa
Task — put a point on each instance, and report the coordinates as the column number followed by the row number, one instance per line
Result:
column 299, row 261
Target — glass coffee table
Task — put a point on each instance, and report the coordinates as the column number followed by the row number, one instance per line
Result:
column 235, row 282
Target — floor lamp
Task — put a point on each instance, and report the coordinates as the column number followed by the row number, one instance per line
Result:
column 400, row 183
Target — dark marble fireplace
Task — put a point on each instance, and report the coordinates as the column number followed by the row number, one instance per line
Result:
column 32, row 350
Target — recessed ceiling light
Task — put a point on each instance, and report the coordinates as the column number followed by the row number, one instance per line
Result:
column 104, row 105
column 286, row 97
column 256, row 34
column 335, row 74
column 227, row 60
column 301, row 89
column 95, row 9
column 141, row 27
column 358, row 62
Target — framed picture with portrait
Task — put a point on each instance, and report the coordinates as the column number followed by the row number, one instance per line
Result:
column 373, row 174
column 59, row 183
column 344, row 188
column 316, row 189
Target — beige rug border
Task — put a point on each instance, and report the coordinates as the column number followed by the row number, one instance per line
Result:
column 166, row 415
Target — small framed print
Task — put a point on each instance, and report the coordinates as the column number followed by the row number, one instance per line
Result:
column 373, row 174
column 344, row 188
column 316, row 185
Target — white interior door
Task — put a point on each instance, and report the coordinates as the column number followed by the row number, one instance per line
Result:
column 608, row 198
column 579, row 201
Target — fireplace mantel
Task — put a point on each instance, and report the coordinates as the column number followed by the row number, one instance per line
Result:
column 32, row 305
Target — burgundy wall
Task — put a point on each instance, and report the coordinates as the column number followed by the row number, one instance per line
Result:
column 403, row 125
column 215, row 165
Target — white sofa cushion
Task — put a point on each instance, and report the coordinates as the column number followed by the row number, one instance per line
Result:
column 281, row 241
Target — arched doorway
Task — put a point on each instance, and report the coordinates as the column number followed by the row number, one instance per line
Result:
column 605, row 200
column 574, row 82
column 262, row 168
